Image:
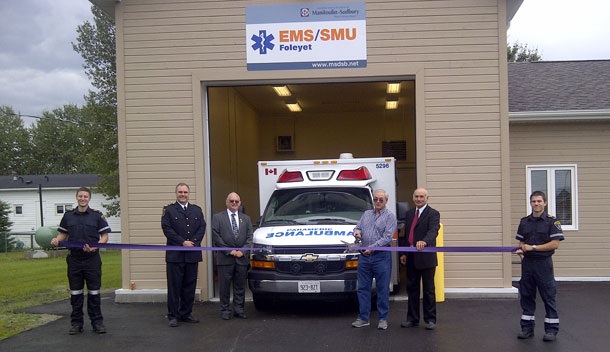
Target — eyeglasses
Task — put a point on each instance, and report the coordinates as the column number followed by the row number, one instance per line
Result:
column 233, row 201
column 381, row 200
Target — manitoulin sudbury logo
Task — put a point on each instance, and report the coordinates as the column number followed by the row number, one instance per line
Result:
column 262, row 42
column 304, row 12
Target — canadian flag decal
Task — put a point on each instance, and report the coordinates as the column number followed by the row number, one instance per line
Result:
column 271, row 171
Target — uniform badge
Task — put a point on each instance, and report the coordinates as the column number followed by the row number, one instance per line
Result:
column 557, row 225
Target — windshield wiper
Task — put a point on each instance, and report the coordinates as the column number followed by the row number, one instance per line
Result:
column 332, row 220
column 281, row 222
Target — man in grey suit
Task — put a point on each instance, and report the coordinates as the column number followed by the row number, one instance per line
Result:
column 232, row 229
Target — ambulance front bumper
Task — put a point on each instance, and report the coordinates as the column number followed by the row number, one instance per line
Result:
column 260, row 281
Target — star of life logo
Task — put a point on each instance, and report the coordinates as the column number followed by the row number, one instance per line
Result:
column 262, row 42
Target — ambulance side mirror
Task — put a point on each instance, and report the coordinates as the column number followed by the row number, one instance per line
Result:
column 401, row 211
column 401, row 216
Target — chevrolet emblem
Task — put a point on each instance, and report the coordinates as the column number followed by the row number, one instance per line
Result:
column 309, row 257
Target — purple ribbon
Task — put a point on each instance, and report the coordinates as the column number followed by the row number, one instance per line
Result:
column 154, row 247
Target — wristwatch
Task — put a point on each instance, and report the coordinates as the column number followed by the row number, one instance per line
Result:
column 534, row 247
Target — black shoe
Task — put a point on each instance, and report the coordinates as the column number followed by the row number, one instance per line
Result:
column 226, row 316
column 173, row 322
column 525, row 334
column 430, row 325
column 75, row 329
column 408, row 324
column 549, row 336
column 99, row 328
column 189, row 319
column 240, row 315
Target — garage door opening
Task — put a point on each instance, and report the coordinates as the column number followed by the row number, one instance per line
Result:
column 252, row 123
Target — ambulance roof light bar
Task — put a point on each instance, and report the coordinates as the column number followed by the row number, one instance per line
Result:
column 290, row 176
column 361, row 173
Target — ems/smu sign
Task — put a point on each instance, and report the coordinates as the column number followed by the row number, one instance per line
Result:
column 306, row 36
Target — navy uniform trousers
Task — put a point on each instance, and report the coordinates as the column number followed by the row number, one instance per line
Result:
column 85, row 267
column 538, row 273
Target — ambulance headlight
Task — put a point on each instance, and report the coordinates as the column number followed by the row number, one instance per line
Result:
column 261, row 252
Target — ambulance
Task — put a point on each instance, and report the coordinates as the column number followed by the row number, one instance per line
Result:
column 309, row 209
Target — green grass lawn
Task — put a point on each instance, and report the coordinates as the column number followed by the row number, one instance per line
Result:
column 30, row 282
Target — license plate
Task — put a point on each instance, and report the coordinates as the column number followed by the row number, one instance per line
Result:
column 309, row 286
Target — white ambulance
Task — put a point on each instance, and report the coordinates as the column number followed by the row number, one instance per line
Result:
column 308, row 212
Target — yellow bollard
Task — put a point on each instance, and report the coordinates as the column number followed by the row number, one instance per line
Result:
column 439, row 276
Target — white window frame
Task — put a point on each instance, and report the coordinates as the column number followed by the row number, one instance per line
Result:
column 551, row 197
column 15, row 209
column 64, row 205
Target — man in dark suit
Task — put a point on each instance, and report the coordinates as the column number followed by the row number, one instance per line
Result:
column 183, row 225
column 423, row 223
column 232, row 229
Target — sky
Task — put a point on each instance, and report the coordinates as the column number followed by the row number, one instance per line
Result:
column 40, row 71
column 564, row 29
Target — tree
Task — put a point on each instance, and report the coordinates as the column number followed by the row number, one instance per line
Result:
column 57, row 143
column 14, row 142
column 96, row 44
column 520, row 53
column 7, row 243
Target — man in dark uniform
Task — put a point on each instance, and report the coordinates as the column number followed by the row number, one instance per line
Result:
column 86, row 225
column 539, row 235
column 183, row 225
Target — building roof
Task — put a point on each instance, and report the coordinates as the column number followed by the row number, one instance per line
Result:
column 48, row 181
column 559, row 85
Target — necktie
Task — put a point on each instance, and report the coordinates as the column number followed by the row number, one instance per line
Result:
column 234, row 226
column 413, row 226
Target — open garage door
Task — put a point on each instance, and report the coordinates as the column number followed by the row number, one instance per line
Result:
column 306, row 121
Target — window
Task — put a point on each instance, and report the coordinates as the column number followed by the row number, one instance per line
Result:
column 558, row 182
column 62, row 208
column 18, row 209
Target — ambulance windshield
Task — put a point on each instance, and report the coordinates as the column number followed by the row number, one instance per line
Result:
column 306, row 206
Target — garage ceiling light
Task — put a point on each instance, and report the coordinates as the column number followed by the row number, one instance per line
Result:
column 391, row 104
column 282, row 91
column 293, row 106
column 394, row 88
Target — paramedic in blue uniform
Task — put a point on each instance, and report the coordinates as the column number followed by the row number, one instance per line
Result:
column 86, row 225
column 183, row 225
column 539, row 235
column 376, row 229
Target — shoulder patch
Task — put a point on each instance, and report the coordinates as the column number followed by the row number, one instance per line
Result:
column 557, row 225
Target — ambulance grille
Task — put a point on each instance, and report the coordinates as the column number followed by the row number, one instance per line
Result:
column 303, row 267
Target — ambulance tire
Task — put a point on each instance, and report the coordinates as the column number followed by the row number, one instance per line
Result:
column 261, row 302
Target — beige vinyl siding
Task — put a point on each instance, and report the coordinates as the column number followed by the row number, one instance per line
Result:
column 584, row 252
column 458, row 43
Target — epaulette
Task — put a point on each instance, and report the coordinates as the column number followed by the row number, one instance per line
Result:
column 550, row 216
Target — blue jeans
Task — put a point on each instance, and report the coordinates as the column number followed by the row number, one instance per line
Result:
column 378, row 265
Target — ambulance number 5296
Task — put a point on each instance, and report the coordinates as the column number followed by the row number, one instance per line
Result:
column 382, row 166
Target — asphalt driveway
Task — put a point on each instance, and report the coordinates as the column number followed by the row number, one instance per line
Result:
column 463, row 325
